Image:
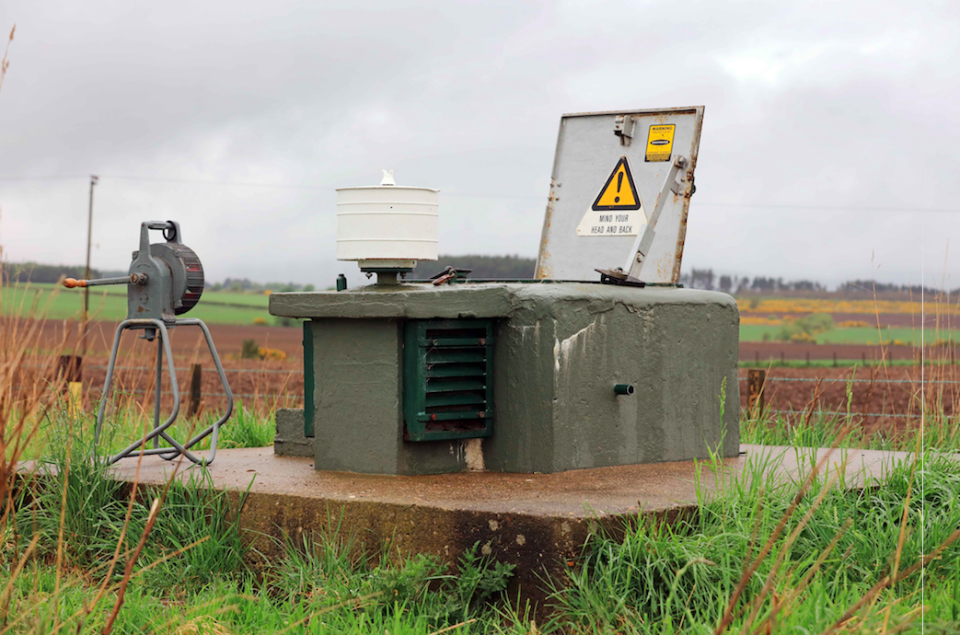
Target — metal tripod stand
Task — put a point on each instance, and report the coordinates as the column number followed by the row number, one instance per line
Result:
column 156, row 329
column 165, row 280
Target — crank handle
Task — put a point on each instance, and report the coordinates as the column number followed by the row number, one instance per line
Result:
column 133, row 278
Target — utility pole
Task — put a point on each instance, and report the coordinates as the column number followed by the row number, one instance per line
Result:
column 86, row 290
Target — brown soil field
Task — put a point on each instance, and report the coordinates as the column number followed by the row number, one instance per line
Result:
column 871, row 394
column 185, row 340
column 764, row 351
column 259, row 384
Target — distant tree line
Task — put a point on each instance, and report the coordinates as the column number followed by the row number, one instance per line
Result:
column 498, row 268
column 870, row 286
column 244, row 284
column 495, row 267
column 706, row 279
column 36, row 272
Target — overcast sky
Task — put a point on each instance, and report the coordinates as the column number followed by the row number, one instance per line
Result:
column 828, row 125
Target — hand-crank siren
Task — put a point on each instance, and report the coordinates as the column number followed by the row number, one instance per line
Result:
column 166, row 280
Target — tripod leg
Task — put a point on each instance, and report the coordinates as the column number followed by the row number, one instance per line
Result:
column 106, row 383
column 158, row 373
column 165, row 339
column 215, row 428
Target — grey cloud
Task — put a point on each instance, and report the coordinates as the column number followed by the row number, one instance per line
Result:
column 828, row 105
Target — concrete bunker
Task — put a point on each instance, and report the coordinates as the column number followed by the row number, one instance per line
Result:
column 561, row 372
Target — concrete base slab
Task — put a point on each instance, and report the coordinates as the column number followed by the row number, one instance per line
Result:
column 537, row 521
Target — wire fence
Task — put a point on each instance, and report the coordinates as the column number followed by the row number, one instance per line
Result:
column 826, row 380
column 185, row 394
column 291, row 371
column 297, row 371
column 851, row 380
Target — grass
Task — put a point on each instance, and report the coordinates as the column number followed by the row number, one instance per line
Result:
column 197, row 568
column 127, row 421
column 835, row 548
column 825, row 552
column 854, row 335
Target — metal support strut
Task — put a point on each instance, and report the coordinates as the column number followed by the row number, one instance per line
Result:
column 158, row 328
column 630, row 273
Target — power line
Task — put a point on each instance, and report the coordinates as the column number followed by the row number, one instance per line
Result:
column 298, row 186
column 44, row 178
column 290, row 186
column 837, row 208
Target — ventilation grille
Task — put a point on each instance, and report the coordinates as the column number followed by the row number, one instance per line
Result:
column 448, row 370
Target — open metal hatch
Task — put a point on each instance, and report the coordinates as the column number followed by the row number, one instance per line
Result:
column 619, row 195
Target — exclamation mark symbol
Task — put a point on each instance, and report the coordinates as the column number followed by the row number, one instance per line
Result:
column 619, row 183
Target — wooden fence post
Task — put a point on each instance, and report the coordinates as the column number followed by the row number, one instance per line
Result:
column 195, row 378
column 70, row 369
column 755, row 398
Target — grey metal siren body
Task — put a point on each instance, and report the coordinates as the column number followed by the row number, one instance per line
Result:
column 173, row 273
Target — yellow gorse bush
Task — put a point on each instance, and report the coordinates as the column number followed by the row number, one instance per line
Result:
column 853, row 324
column 760, row 321
column 272, row 353
column 818, row 305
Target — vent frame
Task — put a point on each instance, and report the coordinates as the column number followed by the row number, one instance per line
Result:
column 447, row 379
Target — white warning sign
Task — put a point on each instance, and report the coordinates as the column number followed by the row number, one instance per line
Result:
column 617, row 210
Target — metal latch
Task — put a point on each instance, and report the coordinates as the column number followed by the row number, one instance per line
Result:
column 623, row 127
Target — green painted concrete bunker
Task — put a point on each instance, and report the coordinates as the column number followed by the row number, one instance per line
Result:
column 601, row 360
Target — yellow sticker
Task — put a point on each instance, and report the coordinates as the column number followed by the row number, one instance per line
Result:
column 619, row 192
column 660, row 142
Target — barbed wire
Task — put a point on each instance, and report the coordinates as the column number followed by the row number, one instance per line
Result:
column 182, row 370
column 184, row 394
column 857, row 381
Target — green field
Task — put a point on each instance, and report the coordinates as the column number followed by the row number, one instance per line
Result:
column 854, row 335
column 110, row 304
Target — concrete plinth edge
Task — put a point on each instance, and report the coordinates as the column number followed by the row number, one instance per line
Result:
column 290, row 440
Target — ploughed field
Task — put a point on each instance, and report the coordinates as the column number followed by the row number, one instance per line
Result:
column 259, row 383
column 185, row 341
column 893, row 391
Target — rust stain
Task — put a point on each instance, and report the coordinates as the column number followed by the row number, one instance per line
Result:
column 681, row 239
column 543, row 268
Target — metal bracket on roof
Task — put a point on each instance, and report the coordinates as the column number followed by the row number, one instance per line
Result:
column 616, row 276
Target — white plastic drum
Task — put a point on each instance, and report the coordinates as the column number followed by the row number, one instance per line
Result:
column 391, row 225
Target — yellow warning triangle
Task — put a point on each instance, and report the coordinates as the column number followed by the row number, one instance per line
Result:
column 619, row 192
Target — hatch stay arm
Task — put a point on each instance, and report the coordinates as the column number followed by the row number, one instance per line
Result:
column 641, row 246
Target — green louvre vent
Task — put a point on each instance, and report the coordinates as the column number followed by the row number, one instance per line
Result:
column 447, row 379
